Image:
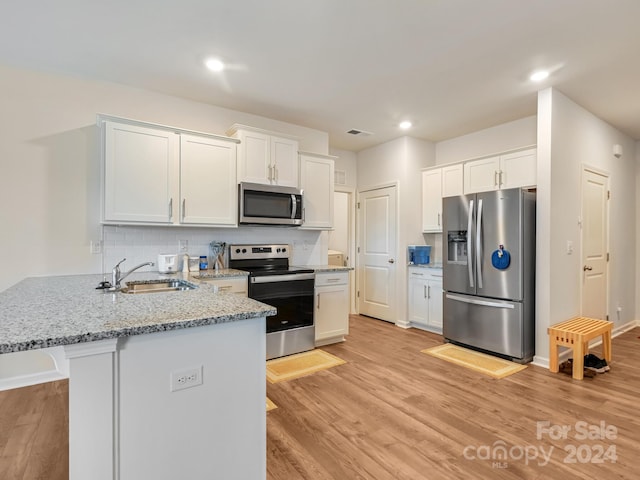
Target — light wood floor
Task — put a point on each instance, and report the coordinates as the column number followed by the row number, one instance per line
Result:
column 392, row 412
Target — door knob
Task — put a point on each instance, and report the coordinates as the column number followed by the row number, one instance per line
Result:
column 391, row 260
column 586, row 267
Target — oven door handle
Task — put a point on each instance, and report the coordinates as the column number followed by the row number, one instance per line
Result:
column 283, row 278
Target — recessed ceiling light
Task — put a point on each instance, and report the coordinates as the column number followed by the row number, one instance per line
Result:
column 214, row 65
column 406, row 124
column 539, row 76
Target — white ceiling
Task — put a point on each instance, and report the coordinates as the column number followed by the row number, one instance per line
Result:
column 450, row 66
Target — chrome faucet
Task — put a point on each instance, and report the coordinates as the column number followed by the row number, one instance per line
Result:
column 117, row 276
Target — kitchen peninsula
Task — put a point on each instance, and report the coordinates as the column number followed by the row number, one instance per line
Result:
column 131, row 357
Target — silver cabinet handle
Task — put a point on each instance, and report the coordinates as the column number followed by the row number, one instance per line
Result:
column 419, row 274
column 318, row 301
column 391, row 260
column 270, row 177
column 184, row 208
column 438, row 219
column 501, row 180
column 275, row 174
column 332, row 280
column 429, row 291
column 170, row 209
column 225, row 287
column 425, row 291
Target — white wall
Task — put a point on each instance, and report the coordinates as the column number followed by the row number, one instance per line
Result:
column 568, row 138
column 400, row 161
column 489, row 141
column 49, row 171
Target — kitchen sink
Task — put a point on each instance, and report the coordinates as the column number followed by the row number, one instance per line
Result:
column 151, row 286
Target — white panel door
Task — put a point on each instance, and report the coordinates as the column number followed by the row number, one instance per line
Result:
column 139, row 173
column 595, row 244
column 208, row 187
column 378, row 253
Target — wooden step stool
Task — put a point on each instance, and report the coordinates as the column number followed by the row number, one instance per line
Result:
column 575, row 334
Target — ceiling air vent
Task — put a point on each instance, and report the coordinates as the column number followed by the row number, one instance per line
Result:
column 362, row 133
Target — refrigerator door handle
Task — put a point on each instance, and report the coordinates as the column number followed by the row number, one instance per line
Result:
column 479, row 244
column 469, row 249
column 476, row 301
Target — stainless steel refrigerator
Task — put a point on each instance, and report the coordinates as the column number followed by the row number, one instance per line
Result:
column 489, row 272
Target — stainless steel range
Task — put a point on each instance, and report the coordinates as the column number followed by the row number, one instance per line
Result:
column 289, row 289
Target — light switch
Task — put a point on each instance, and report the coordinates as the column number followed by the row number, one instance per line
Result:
column 569, row 247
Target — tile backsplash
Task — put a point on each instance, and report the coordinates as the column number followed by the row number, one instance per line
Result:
column 139, row 244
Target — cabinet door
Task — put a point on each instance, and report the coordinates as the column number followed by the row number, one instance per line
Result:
column 139, row 174
column 432, row 200
column 284, row 161
column 332, row 312
column 208, row 188
column 434, row 292
column 518, row 169
column 316, row 181
column 452, row 184
column 254, row 157
column 481, row 175
column 418, row 298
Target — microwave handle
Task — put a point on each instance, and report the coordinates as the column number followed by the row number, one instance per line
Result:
column 295, row 206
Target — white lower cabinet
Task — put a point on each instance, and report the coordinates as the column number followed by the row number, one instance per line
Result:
column 425, row 298
column 331, row 307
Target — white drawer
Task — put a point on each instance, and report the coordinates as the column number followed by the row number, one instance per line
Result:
column 230, row 284
column 332, row 278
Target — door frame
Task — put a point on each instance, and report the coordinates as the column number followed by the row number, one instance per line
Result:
column 598, row 171
column 351, row 262
column 358, row 270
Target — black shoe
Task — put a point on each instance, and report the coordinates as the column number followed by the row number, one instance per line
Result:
column 596, row 364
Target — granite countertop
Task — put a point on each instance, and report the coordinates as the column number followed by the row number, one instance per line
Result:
column 327, row 268
column 44, row 312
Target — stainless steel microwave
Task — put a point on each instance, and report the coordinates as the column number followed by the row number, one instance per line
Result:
column 270, row 205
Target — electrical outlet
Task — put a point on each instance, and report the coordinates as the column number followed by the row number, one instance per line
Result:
column 185, row 378
column 183, row 246
column 95, row 247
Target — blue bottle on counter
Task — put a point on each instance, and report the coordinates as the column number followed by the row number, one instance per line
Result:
column 203, row 262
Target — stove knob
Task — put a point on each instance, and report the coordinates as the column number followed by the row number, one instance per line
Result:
column 284, row 250
column 237, row 250
column 278, row 250
column 244, row 250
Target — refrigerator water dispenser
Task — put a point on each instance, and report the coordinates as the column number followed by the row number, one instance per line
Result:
column 457, row 247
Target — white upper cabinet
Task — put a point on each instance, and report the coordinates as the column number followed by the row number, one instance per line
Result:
column 139, row 174
column 518, row 169
column 452, row 184
column 158, row 175
column 316, row 181
column 266, row 158
column 208, row 188
column 432, row 200
column 510, row 170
